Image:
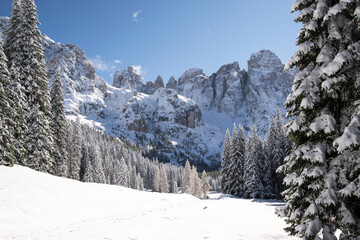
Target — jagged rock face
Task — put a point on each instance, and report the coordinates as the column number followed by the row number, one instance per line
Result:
column 196, row 85
column 172, row 83
column 132, row 79
column 228, row 85
column 129, row 79
column 267, row 88
column 246, row 97
column 83, row 89
column 165, row 120
column 151, row 87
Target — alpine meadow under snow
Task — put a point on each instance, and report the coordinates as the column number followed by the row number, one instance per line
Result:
column 80, row 159
column 35, row 205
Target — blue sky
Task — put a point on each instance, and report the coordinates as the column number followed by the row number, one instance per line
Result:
column 166, row 37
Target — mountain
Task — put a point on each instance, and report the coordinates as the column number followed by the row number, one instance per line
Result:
column 186, row 119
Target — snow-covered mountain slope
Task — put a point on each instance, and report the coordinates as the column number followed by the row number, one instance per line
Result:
column 185, row 120
column 39, row 206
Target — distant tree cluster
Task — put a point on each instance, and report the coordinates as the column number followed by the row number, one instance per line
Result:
column 192, row 184
column 248, row 167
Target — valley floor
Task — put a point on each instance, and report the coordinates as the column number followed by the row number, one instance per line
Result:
column 38, row 206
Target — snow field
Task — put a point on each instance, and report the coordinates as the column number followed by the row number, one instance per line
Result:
column 39, row 206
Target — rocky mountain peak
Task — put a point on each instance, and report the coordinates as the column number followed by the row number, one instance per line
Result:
column 151, row 87
column 190, row 74
column 172, row 83
column 231, row 68
column 265, row 60
column 159, row 82
column 129, row 79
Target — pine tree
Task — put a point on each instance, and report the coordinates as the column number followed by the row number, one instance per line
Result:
column 226, row 164
column 156, row 180
column 13, row 33
column 19, row 114
column 98, row 174
column 140, row 182
column 205, row 184
column 7, row 141
column 253, row 186
column 59, row 125
column 25, row 51
column 133, row 179
column 197, row 189
column 283, row 149
column 237, row 162
column 124, row 173
column 174, row 185
column 188, row 180
column 164, row 186
column 323, row 106
column 39, row 157
column 76, row 150
column 86, row 166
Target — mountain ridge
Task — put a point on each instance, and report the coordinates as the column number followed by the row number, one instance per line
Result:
column 187, row 118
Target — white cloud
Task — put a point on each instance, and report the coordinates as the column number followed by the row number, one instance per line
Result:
column 136, row 15
column 101, row 65
column 138, row 70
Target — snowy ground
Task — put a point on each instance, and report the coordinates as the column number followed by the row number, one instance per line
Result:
column 38, row 206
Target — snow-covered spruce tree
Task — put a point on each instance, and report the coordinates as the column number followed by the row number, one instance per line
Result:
column 74, row 160
column 13, row 33
column 59, row 125
column 279, row 147
column 188, row 183
column 197, row 189
column 323, row 106
column 19, row 114
column 98, row 174
column 38, row 157
column 124, row 174
column 140, row 182
column 156, row 180
column 345, row 70
column 24, row 49
column 164, row 186
column 174, row 185
column 134, row 179
column 7, row 140
column 204, row 184
column 253, row 187
column 86, row 166
column 237, row 162
column 226, row 164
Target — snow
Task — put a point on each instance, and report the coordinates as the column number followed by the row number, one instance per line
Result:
column 351, row 135
column 35, row 205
